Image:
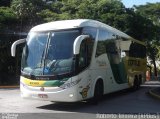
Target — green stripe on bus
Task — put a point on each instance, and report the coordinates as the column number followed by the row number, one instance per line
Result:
column 55, row 83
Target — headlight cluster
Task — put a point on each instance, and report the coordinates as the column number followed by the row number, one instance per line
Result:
column 70, row 84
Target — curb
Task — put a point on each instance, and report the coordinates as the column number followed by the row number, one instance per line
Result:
column 3, row 87
column 151, row 92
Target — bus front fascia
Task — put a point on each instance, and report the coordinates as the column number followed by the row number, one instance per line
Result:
column 14, row 45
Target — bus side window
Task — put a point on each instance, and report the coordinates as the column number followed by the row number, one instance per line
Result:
column 104, row 38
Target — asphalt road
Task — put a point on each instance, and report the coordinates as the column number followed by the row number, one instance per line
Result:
column 122, row 102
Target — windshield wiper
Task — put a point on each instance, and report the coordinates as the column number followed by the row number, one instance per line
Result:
column 42, row 59
column 46, row 50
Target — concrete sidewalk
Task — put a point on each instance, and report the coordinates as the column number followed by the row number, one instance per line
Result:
column 152, row 83
column 155, row 92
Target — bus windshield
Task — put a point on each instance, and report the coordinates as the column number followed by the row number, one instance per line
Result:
column 49, row 53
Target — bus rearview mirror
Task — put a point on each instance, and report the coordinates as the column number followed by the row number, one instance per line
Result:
column 14, row 45
column 77, row 43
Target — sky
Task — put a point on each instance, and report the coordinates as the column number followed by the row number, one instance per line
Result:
column 130, row 3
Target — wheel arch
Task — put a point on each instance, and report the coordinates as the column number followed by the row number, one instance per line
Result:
column 101, row 80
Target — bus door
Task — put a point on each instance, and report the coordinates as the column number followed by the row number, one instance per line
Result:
column 85, row 55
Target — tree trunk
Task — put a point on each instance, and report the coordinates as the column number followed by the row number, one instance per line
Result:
column 155, row 68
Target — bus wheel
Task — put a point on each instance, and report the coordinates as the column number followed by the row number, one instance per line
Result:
column 140, row 80
column 136, row 83
column 98, row 92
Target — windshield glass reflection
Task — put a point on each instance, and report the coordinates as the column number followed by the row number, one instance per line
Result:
column 49, row 53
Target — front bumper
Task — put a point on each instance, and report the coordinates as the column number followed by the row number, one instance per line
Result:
column 50, row 93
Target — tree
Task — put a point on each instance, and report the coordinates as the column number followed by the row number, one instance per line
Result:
column 27, row 11
column 152, row 12
column 7, row 17
column 47, row 15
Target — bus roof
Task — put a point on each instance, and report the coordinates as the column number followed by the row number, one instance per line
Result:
column 76, row 23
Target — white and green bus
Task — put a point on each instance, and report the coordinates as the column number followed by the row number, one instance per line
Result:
column 75, row 60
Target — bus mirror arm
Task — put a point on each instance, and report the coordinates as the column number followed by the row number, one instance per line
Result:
column 14, row 45
column 77, row 43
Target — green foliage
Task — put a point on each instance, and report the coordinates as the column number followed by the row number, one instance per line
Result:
column 48, row 15
column 150, row 11
column 6, row 15
column 56, row 7
column 138, row 22
column 27, row 10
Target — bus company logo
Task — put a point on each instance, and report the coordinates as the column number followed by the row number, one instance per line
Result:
column 34, row 83
column 85, row 91
column 42, row 89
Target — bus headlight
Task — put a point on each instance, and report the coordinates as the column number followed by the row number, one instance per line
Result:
column 70, row 84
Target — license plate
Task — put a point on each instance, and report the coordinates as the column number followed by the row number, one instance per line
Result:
column 42, row 96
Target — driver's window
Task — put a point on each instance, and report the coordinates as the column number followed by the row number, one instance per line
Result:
column 85, row 54
column 82, row 55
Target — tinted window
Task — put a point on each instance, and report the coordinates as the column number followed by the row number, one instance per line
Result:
column 103, row 37
column 137, row 50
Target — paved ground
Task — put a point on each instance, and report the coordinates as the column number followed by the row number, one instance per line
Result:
column 155, row 92
column 123, row 102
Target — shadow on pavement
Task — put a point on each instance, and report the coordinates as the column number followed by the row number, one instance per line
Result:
column 112, row 103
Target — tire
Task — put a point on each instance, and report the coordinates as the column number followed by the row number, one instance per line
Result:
column 98, row 92
column 140, row 80
column 136, row 84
